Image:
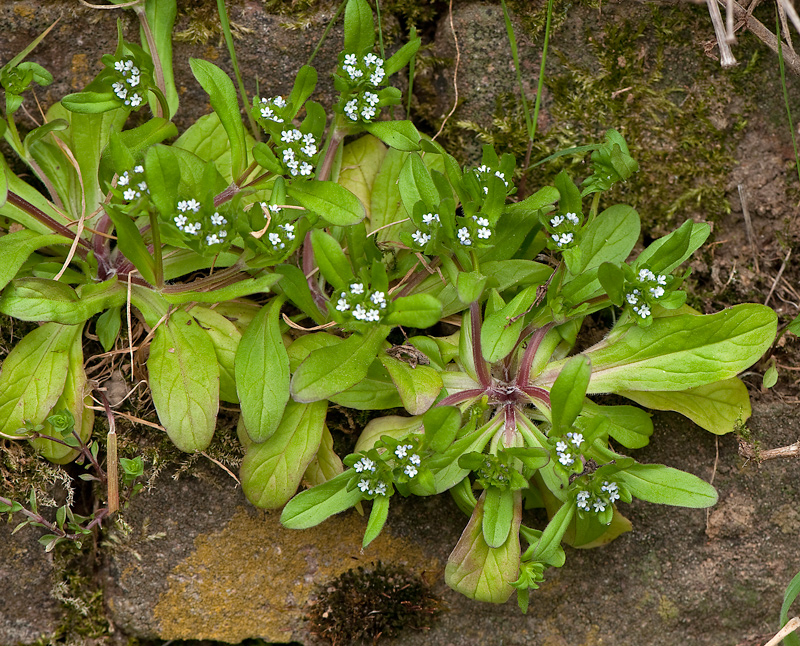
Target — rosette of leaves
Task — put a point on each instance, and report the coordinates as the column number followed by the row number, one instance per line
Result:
column 514, row 426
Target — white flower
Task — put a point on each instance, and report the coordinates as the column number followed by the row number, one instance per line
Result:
column 377, row 76
column 368, row 112
column 138, row 169
column 135, row 100
column 351, row 110
column 402, row 450
column 286, row 136
column 279, row 101
column 483, row 168
column 420, row 238
column 380, row 489
column 632, row 298
column 288, row 156
column 599, row 505
column 275, row 239
column 142, row 186
column 350, row 59
column 192, row 228
column 414, row 459
column 120, row 90
column 373, row 315
column 213, row 239
column 364, row 464
column 410, row 471
column 363, row 485
column 289, row 229
column 357, row 288
column 564, row 238
column 133, row 81
column 646, row 274
column 134, row 70
column 119, row 66
column 562, row 447
column 484, row 233
column 129, row 194
column 662, row 279
column 193, row 204
column 657, row 292
column 123, row 179
column 267, row 112
column 463, row 236
column 556, row 221
column 566, row 459
column 379, row 298
column 575, row 438
column 129, row 65
column 360, row 313
column 642, row 310
column 342, row 305
column 306, row 168
column 482, row 222
column 218, row 220
column 371, row 98
column 309, row 150
column 583, row 500
column 274, row 208
column 572, row 218
column 180, row 220
column 428, row 218
column 369, row 60
column 223, row 233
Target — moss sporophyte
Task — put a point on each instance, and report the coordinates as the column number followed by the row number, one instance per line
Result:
column 268, row 269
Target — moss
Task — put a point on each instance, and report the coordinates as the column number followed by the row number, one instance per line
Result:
column 681, row 133
column 367, row 603
column 203, row 23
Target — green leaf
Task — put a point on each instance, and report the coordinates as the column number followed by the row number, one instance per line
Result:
column 376, row 391
column 679, row 352
column 331, row 370
column 386, row 205
column 610, row 237
column 34, row 374
column 499, row 333
column 402, row 56
column 418, row 386
column 667, row 486
column 208, row 139
column 17, row 246
column 225, row 337
column 628, row 425
column 332, row 262
column 107, row 327
column 400, row 135
column 792, row 591
column 359, row 28
column 417, row 184
column 361, row 161
column 238, row 289
column 132, row 245
column 377, row 519
column 184, row 381
column 716, row 407
column 271, row 471
column 294, row 286
column 224, row 102
column 304, row 84
column 569, row 195
column 771, row 375
column 666, row 253
column 161, row 19
column 42, row 299
column 498, row 515
column 309, row 508
column 334, row 203
column 394, row 426
column 262, row 373
column 481, row 572
column 91, row 102
column 548, row 548
column 417, row 310
column 442, row 423
column 569, row 391
column 470, row 285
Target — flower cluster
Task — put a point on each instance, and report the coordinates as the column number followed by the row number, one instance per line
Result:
column 200, row 226
column 362, row 304
column 431, row 222
column 563, row 229
column 129, row 87
column 493, row 470
column 483, row 173
column 598, row 502
column 369, row 483
column 270, row 110
column 281, row 234
column 298, row 152
column 360, row 78
column 409, row 461
column 131, row 185
column 475, row 230
column 565, row 453
column 647, row 289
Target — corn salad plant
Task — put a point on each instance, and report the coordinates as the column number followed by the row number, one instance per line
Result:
column 271, row 267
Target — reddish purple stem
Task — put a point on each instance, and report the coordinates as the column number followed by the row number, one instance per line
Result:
column 482, row 370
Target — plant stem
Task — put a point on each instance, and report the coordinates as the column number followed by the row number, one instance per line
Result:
column 22, row 204
column 537, row 104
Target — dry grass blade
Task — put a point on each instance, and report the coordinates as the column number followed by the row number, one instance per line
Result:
column 778, row 277
column 726, row 56
column 748, row 226
column 792, row 625
column 791, row 59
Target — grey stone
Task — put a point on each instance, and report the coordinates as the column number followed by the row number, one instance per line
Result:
column 28, row 611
